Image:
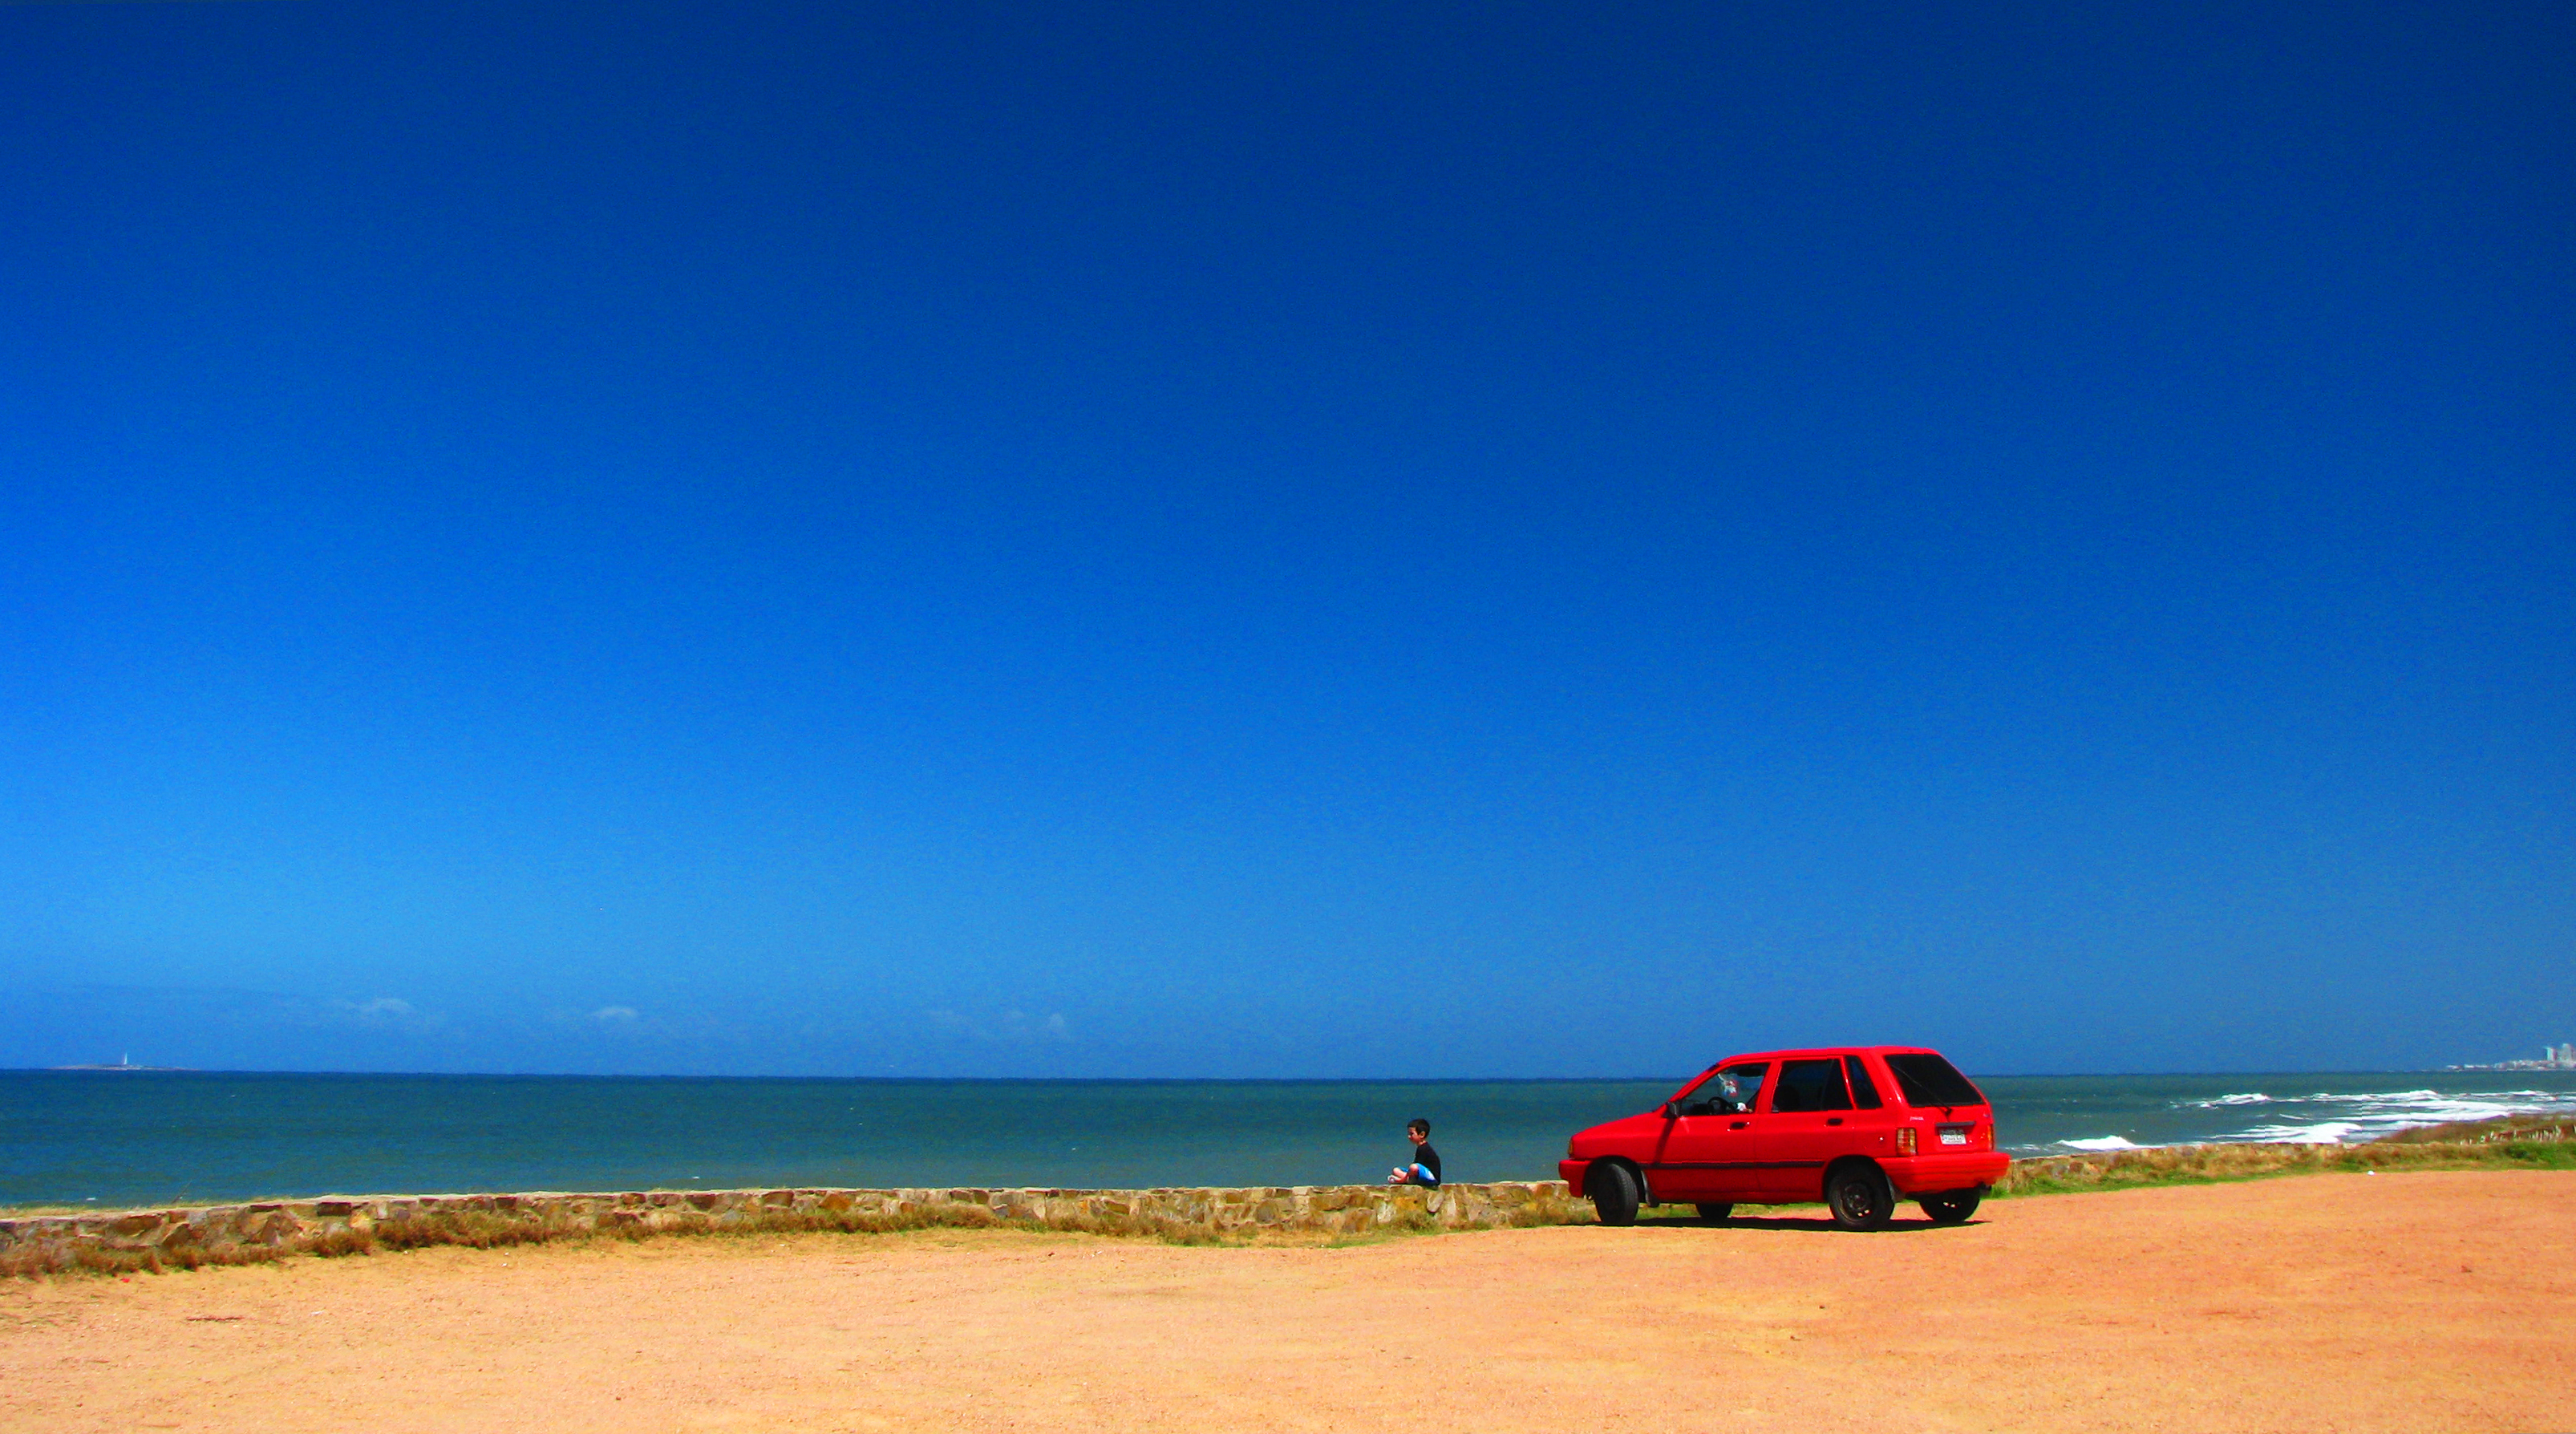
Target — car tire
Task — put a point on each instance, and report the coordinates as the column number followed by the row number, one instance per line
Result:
column 1715, row 1213
column 1614, row 1193
column 1951, row 1207
column 1859, row 1197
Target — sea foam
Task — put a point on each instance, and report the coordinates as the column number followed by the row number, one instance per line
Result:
column 2335, row 1118
column 2324, row 1132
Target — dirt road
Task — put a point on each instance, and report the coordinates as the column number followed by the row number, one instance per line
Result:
column 2350, row 1303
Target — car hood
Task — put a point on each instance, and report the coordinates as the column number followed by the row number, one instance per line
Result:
column 1617, row 1132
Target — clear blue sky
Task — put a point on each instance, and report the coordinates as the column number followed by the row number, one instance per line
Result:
column 1362, row 541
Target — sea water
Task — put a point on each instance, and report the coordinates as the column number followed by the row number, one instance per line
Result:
column 112, row 1138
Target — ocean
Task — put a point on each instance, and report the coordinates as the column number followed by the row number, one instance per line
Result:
column 114, row 1138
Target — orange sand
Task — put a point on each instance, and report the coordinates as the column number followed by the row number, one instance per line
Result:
column 2350, row 1303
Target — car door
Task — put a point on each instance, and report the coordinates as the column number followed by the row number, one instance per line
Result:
column 1708, row 1153
column 1807, row 1125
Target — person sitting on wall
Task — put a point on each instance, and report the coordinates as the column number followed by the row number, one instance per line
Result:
column 1425, row 1169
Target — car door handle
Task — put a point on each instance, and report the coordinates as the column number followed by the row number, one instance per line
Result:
column 1833, row 1120
column 1738, row 1125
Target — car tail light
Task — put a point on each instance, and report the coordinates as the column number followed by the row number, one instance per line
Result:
column 1905, row 1140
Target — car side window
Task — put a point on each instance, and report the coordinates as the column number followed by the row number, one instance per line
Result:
column 1731, row 1091
column 1748, row 1084
column 1864, row 1090
column 1811, row 1085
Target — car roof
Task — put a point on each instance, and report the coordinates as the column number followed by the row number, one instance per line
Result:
column 1811, row 1052
column 1832, row 1051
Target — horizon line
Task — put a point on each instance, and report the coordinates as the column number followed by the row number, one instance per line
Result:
column 1204, row 1080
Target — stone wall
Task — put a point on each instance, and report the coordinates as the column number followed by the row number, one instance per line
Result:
column 230, row 1233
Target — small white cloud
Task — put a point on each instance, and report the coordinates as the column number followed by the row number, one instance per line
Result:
column 614, row 1015
column 1010, row 1026
column 382, row 1013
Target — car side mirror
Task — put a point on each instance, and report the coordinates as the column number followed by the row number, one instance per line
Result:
column 1672, row 1109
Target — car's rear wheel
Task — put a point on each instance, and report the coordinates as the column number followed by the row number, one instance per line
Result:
column 1715, row 1213
column 1614, row 1193
column 1859, row 1197
column 1951, row 1207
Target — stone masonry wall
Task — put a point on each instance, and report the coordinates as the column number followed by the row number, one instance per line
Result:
column 283, row 1226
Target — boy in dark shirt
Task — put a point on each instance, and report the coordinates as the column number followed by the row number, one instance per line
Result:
column 1425, row 1169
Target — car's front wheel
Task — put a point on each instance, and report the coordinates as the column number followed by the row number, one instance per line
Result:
column 1614, row 1193
column 1951, row 1207
column 1715, row 1213
column 1859, row 1197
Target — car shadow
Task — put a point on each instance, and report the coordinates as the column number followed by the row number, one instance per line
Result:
column 1795, row 1224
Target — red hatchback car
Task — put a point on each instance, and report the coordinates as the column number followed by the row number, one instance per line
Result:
column 1857, row 1127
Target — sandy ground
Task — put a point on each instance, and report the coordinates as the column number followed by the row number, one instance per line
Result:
column 2343, row 1303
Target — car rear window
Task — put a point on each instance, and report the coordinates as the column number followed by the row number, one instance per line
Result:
column 1930, row 1080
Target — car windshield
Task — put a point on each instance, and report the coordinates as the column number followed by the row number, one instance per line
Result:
column 1927, row 1079
column 1726, row 1092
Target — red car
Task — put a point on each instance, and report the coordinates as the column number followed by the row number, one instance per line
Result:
column 1857, row 1127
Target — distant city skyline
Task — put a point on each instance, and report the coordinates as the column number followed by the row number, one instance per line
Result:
column 2559, row 1057
column 1330, row 541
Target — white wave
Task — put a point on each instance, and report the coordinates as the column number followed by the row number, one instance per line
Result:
column 2249, row 1098
column 2102, row 1142
column 2368, row 1116
column 2324, row 1132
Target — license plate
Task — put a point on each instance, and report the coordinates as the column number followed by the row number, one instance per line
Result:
column 1954, row 1137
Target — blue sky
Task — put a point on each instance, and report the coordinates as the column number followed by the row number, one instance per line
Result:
column 1363, row 541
